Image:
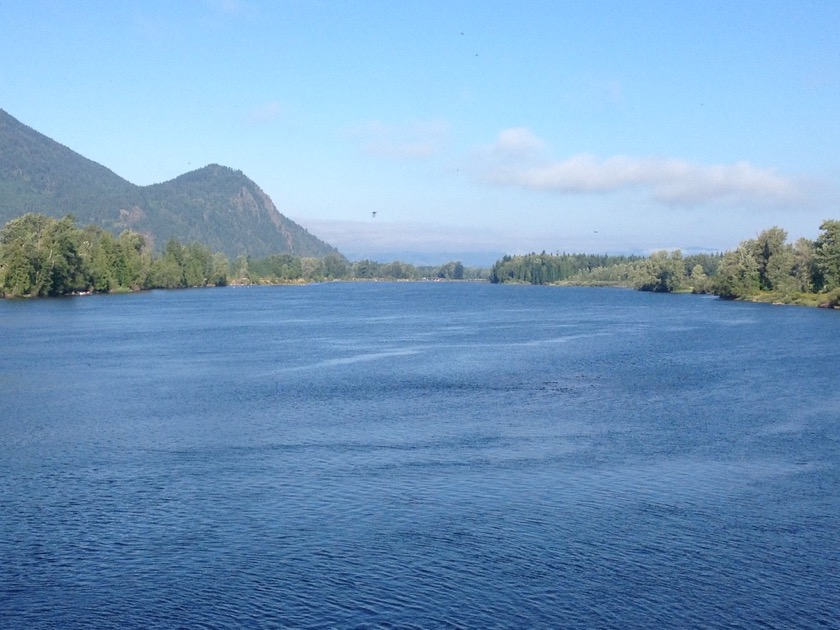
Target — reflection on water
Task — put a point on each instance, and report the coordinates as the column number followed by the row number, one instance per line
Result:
column 417, row 455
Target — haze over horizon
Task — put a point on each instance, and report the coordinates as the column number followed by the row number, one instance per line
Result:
column 468, row 128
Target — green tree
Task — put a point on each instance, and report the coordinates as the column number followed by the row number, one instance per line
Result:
column 241, row 270
column 197, row 263
column 167, row 271
column 219, row 275
column 99, row 251
column 312, row 269
column 698, row 280
column 709, row 263
column 738, row 274
column 827, row 256
column 804, row 267
column 775, row 260
column 41, row 256
column 21, row 255
column 278, row 268
column 335, row 267
column 133, row 261
column 453, row 270
column 551, row 268
column 662, row 272
column 64, row 264
column 397, row 270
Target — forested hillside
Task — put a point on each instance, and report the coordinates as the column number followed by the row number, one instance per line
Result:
column 216, row 206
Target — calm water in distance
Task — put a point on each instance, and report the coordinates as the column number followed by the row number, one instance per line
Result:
column 418, row 456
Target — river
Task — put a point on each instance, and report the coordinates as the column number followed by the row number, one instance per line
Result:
column 418, row 455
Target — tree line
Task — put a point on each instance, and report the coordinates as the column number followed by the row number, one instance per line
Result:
column 767, row 268
column 550, row 268
column 280, row 268
column 788, row 272
column 44, row 256
column 662, row 271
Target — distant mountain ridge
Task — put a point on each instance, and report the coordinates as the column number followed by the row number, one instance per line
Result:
column 215, row 205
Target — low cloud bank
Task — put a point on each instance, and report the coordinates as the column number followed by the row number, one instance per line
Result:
column 519, row 158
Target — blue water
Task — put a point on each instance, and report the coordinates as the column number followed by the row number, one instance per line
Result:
column 418, row 456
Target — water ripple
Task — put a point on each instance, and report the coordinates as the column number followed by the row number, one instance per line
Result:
column 271, row 459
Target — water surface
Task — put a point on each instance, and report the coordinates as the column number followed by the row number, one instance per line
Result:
column 418, row 455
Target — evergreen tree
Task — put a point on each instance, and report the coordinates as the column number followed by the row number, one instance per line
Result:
column 827, row 255
column 774, row 258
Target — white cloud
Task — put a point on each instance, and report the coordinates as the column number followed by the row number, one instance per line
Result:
column 518, row 140
column 411, row 140
column 519, row 158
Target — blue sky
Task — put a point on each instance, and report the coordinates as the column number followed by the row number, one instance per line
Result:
column 470, row 128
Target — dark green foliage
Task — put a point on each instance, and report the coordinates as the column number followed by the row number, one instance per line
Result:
column 708, row 262
column 198, row 265
column 369, row 270
column 768, row 265
column 627, row 274
column 193, row 265
column 285, row 268
column 738, row 274
column 549, row 268
column 698, row 280
column 335, row 267
column 661, row 273
column 133, row 261
column 215, row 205
column 276, row 268
column 451, row 271
column 827, row 256
column 774, row 258
column 41, row 256
column 365, row 269
column 398, row 271
column 766, row 268
column 101, row 249
column 804, row 270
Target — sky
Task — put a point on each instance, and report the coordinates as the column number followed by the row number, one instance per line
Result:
column 456, row 129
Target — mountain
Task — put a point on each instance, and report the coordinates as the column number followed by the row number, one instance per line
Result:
column 215, row 205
